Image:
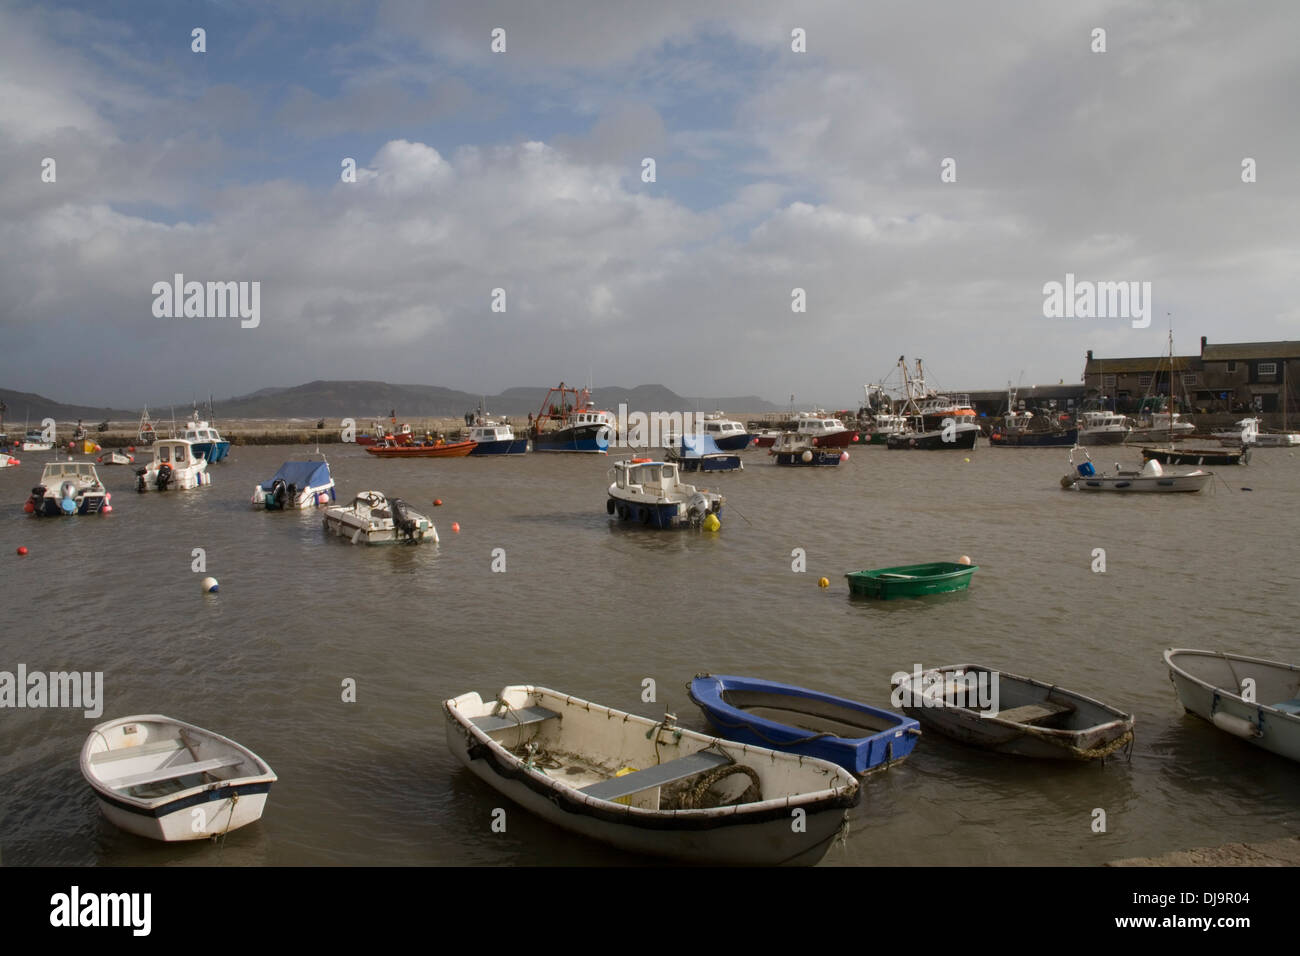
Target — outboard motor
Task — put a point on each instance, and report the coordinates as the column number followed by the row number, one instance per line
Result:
column 140, row 485
column 33, row 505
column 68, row 497
column 164, row 477
column 293, row 495
column 278, row 494
column 402, row 520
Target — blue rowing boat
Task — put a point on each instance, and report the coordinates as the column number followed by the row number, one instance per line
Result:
column 858, row 737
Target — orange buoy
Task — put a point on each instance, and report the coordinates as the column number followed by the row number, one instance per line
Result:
column 22, row 550
column 437, row 502
column 455, row 527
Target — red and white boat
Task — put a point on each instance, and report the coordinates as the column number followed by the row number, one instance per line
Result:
column 822, row 431
column 438, row 449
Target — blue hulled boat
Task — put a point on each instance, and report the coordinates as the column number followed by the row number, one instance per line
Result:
column 576, row 427
column 702, row 453
column 496, row 439
column 858, row 737
column 651, row 493
column 205, row 440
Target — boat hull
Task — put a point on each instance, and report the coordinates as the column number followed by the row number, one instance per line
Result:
column 1035, row 439
column 506, row 446
column 828, row 458
column 1196, row 456
column 90, row 503
column 912, row 580
column 711, row 463
column 747, row 834
column 723, row 699
column 586, row 439
column 963, row 437
column 664, row 516
column 1093, row 438
column 1164, row 484
column 1207, row 686
column 734, row 442
column 212, row 451
column 459, row 449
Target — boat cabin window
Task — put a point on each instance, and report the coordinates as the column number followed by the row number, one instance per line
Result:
column 180, row 454
column 164, row 453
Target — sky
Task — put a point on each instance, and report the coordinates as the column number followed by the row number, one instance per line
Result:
column 921, row 170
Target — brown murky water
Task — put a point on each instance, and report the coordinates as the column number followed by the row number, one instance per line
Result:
column 592, row 609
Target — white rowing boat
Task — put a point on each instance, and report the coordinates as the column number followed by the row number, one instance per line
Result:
column 168, row 780
column 649, row 786
column 1216, row 687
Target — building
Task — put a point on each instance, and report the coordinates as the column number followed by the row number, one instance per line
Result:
column 1235, row 378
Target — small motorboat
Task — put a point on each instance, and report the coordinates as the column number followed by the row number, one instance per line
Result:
column 702, row 453
column 296, row 484
column 8, row 461
column 858, row 737
column 1152, row 478
column 436, row 449
column 1250, row 698
column 168, row 780
column 794, row 451
column 1248, row 433
column 34, row 440
column 495, row 438
column 175, row 465
column 205, row 439
column 1011, row 714
column 651, row 493
column 115, row 458
column 1197, row 456
column 911, row 580
column 69, row 488
column 729, row 435
column 649, row 786
column 374, row 519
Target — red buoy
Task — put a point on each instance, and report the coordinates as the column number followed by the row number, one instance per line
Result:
column 22, row 550
column 131, row 448
column 437, row 502
column 29, row 507
column 455, row 527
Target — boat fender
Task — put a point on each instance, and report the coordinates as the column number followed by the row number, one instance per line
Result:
column 1237, row 726
column 609, row 506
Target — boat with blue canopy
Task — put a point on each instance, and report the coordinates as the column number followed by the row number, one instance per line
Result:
column 296, row 484
column 858, row 737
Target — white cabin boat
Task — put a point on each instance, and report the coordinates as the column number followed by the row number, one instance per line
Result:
column 296, row 485
column 1160, row 426
column 176, row 465
column 820, row 430
column 648, row 786
column 1247, row 432
column 1098, row 427
column 1152, row 478
column 165, row 779
column 1214, row 687
column 69, row 488
column 651, row 493
column 727, row 434
column 374, row 519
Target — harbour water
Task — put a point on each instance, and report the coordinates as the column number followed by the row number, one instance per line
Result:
column 594, row 609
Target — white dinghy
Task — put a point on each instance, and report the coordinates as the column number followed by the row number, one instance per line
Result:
column 1214, row 687
column 151, row 773
column 1151, row 479
column 649, row 786
column 374, row 519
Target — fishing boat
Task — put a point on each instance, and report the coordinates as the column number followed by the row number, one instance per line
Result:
column 729, row 435
column 373, row 519
column 651, row 493
column 296, row 485
column 1197, row 456
column 205, row 439
column 174, row 465
column 767, row 438
column 495, row 438
column 164, row 779
column 1100, row 427
column 935, row 422
column 819, row 430
column 793, row 451
column 1012, row 714
column 576, row 427
column 1159, row 426
column 1152, row 478
column 858, row 737
column 1214, row 686
column 35, row 441
column 912, row 580
column 953, row 436
column 647, row 786
column 115, row 458
column 702, row 453
column 69, row 488
column 1022, row 429
column 882, row 426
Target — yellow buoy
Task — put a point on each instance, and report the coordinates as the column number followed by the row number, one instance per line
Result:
column 823, row 583
column 711, row 523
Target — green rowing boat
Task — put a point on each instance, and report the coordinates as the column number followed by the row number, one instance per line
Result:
column 911, row 580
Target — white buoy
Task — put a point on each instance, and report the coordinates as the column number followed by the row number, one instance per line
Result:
column 807, row 456
column 209, row 585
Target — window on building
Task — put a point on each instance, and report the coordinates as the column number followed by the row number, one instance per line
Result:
column 1232, row 367
column 1108, row 381
column 1144, row 380
column 1190, row 378
column 1267, row 368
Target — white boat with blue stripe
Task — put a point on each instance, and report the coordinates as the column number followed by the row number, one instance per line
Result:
column 651, row 493
column 296, row 484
